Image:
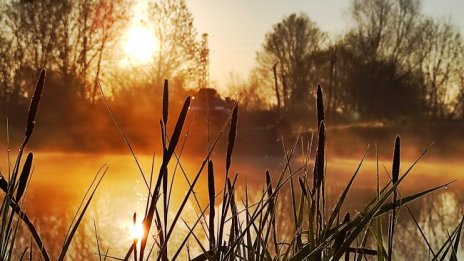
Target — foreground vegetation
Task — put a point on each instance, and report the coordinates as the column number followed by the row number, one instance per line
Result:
column 233, row 232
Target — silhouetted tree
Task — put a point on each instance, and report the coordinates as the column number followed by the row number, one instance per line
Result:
column 291, row 44
column 69, row 37
column 108, row 20
column 172, row 24
column 386, row 29
column 441, row 54
column 397, row 33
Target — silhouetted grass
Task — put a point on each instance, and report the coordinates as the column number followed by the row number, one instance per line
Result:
column 15, row 188
column 236, row 232
column 318, row 235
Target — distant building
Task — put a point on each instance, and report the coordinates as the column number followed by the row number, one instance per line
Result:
column 207, row 101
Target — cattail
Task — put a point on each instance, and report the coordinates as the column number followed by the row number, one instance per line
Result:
column 178, row 128
column 134, row 223
column 232, row 135
column 268, row 183
column 163, row 136
column 33, row 107
column 396, row 161
column 165, row 102
column 211, row 194
column 320, row 155
column 395, row 177
column 166, row 158
column 319, row 106
column 24, row 177
column 134, row 243
column 234, row 233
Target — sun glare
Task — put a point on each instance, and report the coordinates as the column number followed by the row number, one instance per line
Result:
column 136, row 231
column 140, row 45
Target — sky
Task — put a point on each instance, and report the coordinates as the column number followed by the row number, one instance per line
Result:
column 237, row 28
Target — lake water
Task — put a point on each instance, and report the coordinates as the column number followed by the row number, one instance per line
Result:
column 60, row 180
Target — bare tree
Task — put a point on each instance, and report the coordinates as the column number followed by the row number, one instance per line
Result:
column 387, row 30
column 67, row 37
column 291, row 44
column 109, row 18
column 441, row 61
column 371, row 19
column 397, row 33
column 34, row 28
column 172, row 24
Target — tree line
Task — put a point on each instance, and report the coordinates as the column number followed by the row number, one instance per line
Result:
column 395, row 62
column 79, row 42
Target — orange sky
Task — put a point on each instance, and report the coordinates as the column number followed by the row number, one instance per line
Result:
column 237, row 28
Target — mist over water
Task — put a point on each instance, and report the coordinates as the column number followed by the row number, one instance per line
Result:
column 60, row 180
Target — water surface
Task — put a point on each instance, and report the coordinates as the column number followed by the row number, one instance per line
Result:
column 60, row 180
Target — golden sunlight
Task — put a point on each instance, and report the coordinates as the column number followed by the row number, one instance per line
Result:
column 140, row 45
column 136, row 231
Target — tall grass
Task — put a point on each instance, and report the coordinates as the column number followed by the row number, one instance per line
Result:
column 239, row 229
column 15, row 186
column 251, row 233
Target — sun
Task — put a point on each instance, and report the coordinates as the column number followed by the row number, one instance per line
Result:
column 140, row 45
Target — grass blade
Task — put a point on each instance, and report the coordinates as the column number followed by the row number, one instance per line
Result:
column 73, row 230
column 232, row 136
column 342, row 234
column 35, row 235
column 454, row 254
column 342, row 197
column 165, row 102
column 395, row 175
column 320, row 155
column 123, row 134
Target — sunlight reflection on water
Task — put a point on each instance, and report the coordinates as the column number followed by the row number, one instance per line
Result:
column 60, row 180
